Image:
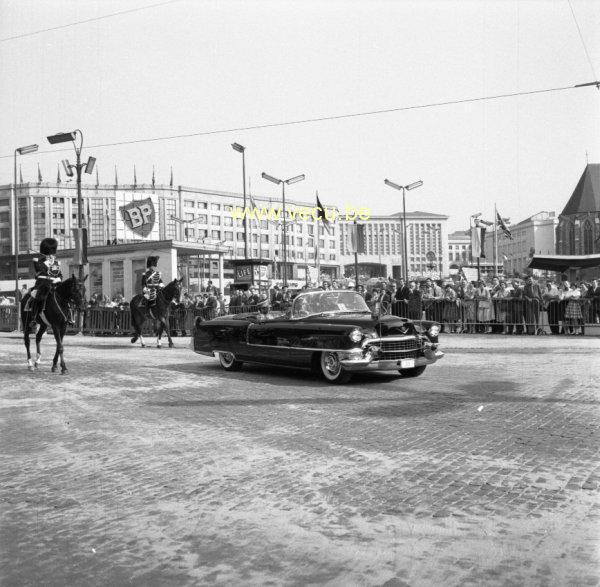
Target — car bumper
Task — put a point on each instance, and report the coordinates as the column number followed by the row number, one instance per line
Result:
column 357, row 365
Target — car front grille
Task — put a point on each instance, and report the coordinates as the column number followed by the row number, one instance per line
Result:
column 409, row 348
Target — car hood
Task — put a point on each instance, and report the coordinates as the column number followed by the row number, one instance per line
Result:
column 386, row 325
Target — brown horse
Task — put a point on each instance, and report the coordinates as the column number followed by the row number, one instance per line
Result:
column 140, row 312
column 55, row 315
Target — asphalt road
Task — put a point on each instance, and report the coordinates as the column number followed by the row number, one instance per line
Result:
column 155, row 467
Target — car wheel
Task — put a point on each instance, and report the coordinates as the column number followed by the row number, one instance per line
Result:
column 229, row 362
column 414, row 372
column 332, row 369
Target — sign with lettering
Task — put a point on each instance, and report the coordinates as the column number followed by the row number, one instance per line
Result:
column 139, row 216
column 243, row 274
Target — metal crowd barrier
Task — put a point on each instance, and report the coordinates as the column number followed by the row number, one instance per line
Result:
column 505, row 315
column 500, row 316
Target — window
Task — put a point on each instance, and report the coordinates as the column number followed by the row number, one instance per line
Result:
column 240, row 251
column 216, row 234
column 202, row 233
column 255, row 253
column 202, row 205
column 189, row 216
column 264, row 224
column 188, row 203
column 202, row 218
column 3, row 216
column 254, row 237
column 189, row 232
column 264, row 238
column 228, row 235
column 299, row 241
column 215, row 220
column 240, row 236
column 228, row 221
column 215, row 206
column 321, row 243
column 300, row 255
column 588, row 239
column 311, row 229
column 332, row 256
column 332, row 244
column 311, row 242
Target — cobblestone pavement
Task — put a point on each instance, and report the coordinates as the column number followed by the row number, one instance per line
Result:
column 155, row 467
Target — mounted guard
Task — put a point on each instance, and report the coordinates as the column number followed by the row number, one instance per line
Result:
column 151, row 281
column 47, row 274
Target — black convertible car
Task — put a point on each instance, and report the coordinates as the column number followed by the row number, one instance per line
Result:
column 332, row 332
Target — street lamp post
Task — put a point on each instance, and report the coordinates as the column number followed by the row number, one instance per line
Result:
column 65, row 137
column 240, row 149
column 20, row 151
column 403, row 188
column 283, row 183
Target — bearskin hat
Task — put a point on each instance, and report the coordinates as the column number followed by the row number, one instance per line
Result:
column 48, row 246
column 152, row 262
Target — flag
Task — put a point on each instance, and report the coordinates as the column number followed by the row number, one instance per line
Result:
column 321, row 215
column 478, row 241
column 134, row 177
column 20, row 175
column 39, row 174
column 80, row 238
column 116, row 176
column 89, row 215
column 356, row 235
column 58, row 174
column 503, row 226
column 153, row 179
column 97, row 177
column 171, row 180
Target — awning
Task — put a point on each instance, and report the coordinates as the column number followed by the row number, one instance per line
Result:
column 562, row 262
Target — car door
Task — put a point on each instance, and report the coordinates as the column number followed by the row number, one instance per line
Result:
column 268, row 341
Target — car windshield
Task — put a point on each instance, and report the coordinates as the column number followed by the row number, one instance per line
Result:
column 326, row 302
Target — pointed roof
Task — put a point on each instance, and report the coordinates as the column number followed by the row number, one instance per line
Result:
column 586, row 196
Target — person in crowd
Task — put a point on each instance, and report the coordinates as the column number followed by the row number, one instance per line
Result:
column 401, row 298
column 551, row 303
column 466, row 294
column 573, row 313
column 532, row 296
column 198, row 302
column 432, row 301
column 212, row 305
column 277, row 298
column 24, row 290
column 253, row 299
column 287, row 298
column 514, row 310
column 386, row 299
column 593, row 294
column 499, row 298
column 451, row 313
column 414, row 302
column 485, row 312
column 186, row 300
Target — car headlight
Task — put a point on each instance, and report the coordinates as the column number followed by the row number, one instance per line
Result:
column 355, row 335
column 434, row 330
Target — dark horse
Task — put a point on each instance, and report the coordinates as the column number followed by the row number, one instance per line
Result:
column 54, row 314
column 159, row 312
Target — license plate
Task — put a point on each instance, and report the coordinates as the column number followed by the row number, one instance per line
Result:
column 407, row 363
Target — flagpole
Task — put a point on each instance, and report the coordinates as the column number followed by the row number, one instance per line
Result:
column 318, row 255
column 495, row 241
column 356, row 256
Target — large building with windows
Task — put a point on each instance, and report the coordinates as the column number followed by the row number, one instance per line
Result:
column 427, row 243
column 199, row 223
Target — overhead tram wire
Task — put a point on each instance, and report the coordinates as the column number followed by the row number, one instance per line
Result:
column 64, row 26
column 326, row 118
column 582, row 41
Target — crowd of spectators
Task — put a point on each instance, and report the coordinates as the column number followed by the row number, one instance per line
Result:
column 497, row 306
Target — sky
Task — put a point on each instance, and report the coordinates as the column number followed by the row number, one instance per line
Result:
column 191, row 66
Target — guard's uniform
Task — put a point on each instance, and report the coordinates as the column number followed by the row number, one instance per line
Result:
column 47, row 273
column 151, row 281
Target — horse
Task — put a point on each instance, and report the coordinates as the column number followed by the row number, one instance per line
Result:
column 159, row 312
column 54, row 314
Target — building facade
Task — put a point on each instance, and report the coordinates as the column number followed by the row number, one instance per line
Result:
column 427, row 243
column 532, row 235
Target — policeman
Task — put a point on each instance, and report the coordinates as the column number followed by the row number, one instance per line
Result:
column 151, row 281
column 47, row 273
